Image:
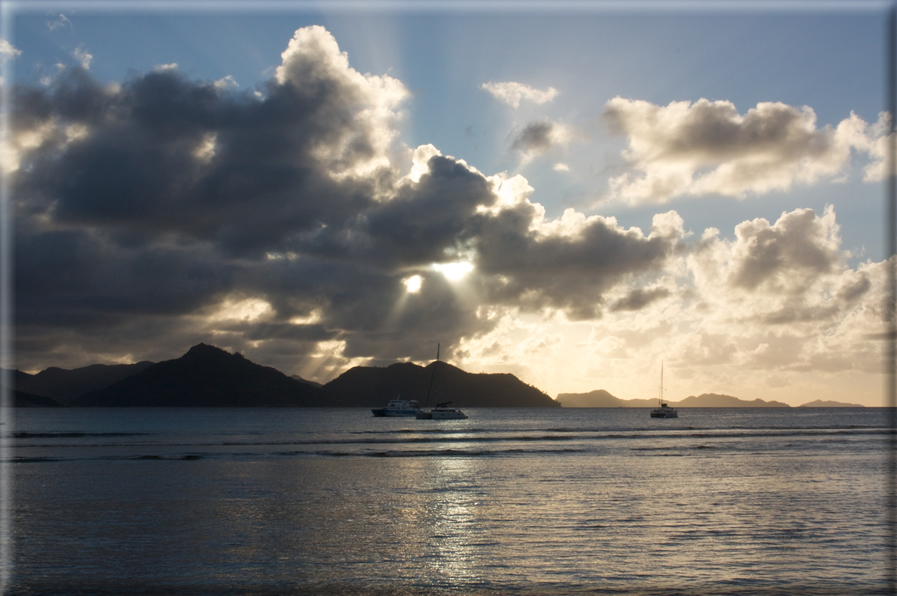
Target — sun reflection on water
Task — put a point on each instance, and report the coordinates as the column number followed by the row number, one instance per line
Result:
column 452, row 513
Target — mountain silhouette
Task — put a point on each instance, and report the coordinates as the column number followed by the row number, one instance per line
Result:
column 603, row 399
column 65, row 385
column 205, row 376
column 209, row 376
column 829, row 404
column 370, row 386
column 306, row 381
column 715, row 400
column 29, row 400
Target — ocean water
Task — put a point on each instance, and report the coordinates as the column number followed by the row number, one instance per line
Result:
column 509, row 501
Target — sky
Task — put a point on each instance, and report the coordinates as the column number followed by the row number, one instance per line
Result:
column 573, row 194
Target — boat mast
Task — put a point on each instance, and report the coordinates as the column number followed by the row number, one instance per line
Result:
column 661, row 383
column 433, row 376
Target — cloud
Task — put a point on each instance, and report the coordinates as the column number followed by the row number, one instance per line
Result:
column 62, row 21
column 707, row 147
column 152, row 139
column 789, row 255
column 513, row 93
column 7, row 50
column 785, row 288
column 639, row 298
column 227, row 82
column 565, row 264
column 161, row 211
column 83, row 57
column 145, row 208
column 804, row 328
column 537, row 138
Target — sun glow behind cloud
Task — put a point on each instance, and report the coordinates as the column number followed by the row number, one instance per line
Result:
column 246, row 309
column 453, row 271
column 413, row 284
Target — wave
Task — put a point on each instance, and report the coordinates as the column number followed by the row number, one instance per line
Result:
column 397, row 453
column 402, row 438
column 189, row 457
column 445, row 441
column 73, row 435
column 461, row 452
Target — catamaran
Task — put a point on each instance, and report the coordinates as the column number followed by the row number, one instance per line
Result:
column 441, row 411
column 664, row 411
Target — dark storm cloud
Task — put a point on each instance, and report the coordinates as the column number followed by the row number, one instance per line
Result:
column 144, row 209
column 421, row 224
column 63, row 274
column 569, row 272
column 137, row 172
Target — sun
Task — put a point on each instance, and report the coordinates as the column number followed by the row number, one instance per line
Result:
column 413, row 284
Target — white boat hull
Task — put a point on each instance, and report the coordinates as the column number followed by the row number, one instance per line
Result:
column 442, row 412
column 398, row 408
column 447, row 415
column 385, row 413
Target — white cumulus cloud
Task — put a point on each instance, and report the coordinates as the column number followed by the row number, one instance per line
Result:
column 312, row 61
column 513, row 93
column 784, row 298
column 227, row 82
column 707, row 147
column 83, row 57
column 7, row 50
column 775, row 312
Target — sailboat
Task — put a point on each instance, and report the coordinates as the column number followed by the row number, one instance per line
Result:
column 664, row 411
column 442, row 411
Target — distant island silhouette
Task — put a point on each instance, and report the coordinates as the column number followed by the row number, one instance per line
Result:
column 207, row 376
column 603, row 399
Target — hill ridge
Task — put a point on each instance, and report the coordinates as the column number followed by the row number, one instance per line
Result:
column 373, row 386
column 600, row 398
column 209, row 376
column 204, row 376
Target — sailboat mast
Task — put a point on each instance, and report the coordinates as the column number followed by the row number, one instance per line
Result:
column 433, row 376
column 661, row 383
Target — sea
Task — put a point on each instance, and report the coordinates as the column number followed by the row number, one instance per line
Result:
column 218, row 501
